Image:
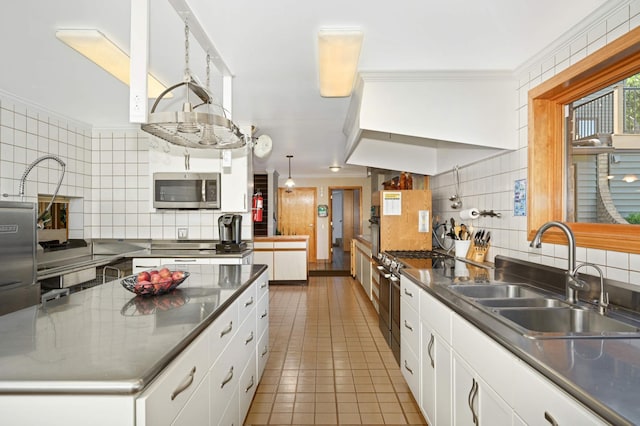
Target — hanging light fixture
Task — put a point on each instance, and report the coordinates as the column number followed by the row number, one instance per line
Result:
column 188, row 127
column 289, row 183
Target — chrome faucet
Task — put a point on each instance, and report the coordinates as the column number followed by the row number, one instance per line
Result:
column 30, row 167
column 571, row 284
column 603, row 302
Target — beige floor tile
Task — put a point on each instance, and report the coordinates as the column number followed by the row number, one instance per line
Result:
column 303, row 419
column 326, row 419
column 285, row 397
column 261, row 407
column 264, row 397
column 257, row 419
column 346, row 397
column 367, row 397
column 390, row 407
column 371, row 418
column 306, row 397
column 387, row 397
column 280, row 418
column 415, row 419
column 326, row 397
column 394, row 419
column 347, row 407
column 349, row 418
column 325, row 407
column 282, row 407
column 304, row 407
column 368, row 407
column 346, row 388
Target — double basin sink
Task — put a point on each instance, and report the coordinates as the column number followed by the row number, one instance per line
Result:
column 537, row 315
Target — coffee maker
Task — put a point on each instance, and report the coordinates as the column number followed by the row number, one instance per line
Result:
column 230, row 227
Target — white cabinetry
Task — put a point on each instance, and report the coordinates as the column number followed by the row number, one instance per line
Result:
column 286, row 259
column 410, row 335
column 234, row 191
column 363, row 266
column 140, row 264
column 435, row 325
column 467, row 378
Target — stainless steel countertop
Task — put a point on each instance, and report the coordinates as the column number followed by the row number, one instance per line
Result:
column 107, row 340
column 604, row 373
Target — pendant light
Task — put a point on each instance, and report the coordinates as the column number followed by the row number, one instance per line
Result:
column 188, row 127
column 289, row 183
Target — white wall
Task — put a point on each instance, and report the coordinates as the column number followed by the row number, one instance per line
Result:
column 489, row 184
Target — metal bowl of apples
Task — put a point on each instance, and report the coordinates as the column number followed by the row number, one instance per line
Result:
column 155, row 282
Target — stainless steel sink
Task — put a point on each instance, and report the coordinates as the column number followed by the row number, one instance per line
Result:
column 496, row 291
column 523, row 302
column 566, row 322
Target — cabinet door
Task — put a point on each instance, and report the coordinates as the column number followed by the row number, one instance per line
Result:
column 290, row 265
column 264, row 258
column 436, row 377
column 234, row 191
column 247, row 388
column 474, row 402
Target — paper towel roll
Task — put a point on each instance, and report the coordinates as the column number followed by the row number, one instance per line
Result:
column 469, row 214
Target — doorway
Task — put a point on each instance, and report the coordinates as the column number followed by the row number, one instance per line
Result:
column 345, row 217
column 297, row 215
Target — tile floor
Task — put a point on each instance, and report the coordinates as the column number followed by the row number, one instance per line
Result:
column 329, row 363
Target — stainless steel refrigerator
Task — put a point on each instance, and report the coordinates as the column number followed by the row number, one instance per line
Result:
column 18, row 268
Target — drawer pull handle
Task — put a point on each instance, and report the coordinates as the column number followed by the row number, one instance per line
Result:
column 548, row 417
column 227, row 330
column 183, row 260
column 250, row 338
column 407, row 293
column 407, row 367
column 407, row 325
column 430, row 350
column 471, row 398
column 184, row 385
column 263, row 285
column 250, row 302
column 263, row 315
column 250, row 385
column 266, row 349
column 228, row 378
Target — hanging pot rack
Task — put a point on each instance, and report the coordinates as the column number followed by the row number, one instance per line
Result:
column 190, row 128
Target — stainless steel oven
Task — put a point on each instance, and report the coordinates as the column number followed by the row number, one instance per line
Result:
column 389, row 303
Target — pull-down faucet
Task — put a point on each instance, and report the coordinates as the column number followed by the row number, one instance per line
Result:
column 571, row 284
column 30, row 167
column 603, row 302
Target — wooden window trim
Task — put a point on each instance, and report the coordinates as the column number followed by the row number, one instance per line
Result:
column 546, row 153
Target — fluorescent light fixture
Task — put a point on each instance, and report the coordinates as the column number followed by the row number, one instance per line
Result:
column 334, row 168
column 630, row 178
column 338, row 54
column 96, row 47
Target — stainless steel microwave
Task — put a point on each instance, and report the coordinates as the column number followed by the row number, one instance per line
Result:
column 186, row 190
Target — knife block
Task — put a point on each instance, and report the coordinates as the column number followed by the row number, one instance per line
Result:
column 477, row 253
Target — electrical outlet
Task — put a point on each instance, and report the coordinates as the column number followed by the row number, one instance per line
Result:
column 183, row 233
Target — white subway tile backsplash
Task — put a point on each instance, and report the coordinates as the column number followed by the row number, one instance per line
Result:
column 634, row 262
column 618, row 259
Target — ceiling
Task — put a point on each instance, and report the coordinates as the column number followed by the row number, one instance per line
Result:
column 270, row 47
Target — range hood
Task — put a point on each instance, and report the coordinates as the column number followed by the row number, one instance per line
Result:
column 429, row 122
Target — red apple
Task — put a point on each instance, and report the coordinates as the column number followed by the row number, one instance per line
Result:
column 153, row 271
column 177, row 275
column 165, row 283
column 144, row 276
column 165, row 272
column 155, row 278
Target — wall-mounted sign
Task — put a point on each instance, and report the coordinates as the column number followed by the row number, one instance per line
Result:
column 323, row 210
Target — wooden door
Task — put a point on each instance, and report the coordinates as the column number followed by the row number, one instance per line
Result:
column 347, row 219
column 297, row 215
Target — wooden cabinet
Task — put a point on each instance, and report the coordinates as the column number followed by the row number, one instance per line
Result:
column 285, row 257
column 406, row 210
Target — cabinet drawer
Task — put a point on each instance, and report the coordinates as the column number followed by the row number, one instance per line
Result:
column 247, row 301
column 263, row 315
column 302, row 245
column 263, row 285
column 550, row 402
column 231, row 414
column 225, row 374
column 262, row 352
column 409, row 326
column 263, row 245
column 222, row 330
column 165, row 397
column 410, row 293
column 144, row 264
column 247, row 338
column 410, row 367
column 196, row 410
column 247, row 388
column 436, row 314
column 185, row 261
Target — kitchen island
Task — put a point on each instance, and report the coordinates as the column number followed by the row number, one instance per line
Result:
column 106, row 356
column 463, row 363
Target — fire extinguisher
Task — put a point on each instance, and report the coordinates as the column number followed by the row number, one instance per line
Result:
column 257, row 206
